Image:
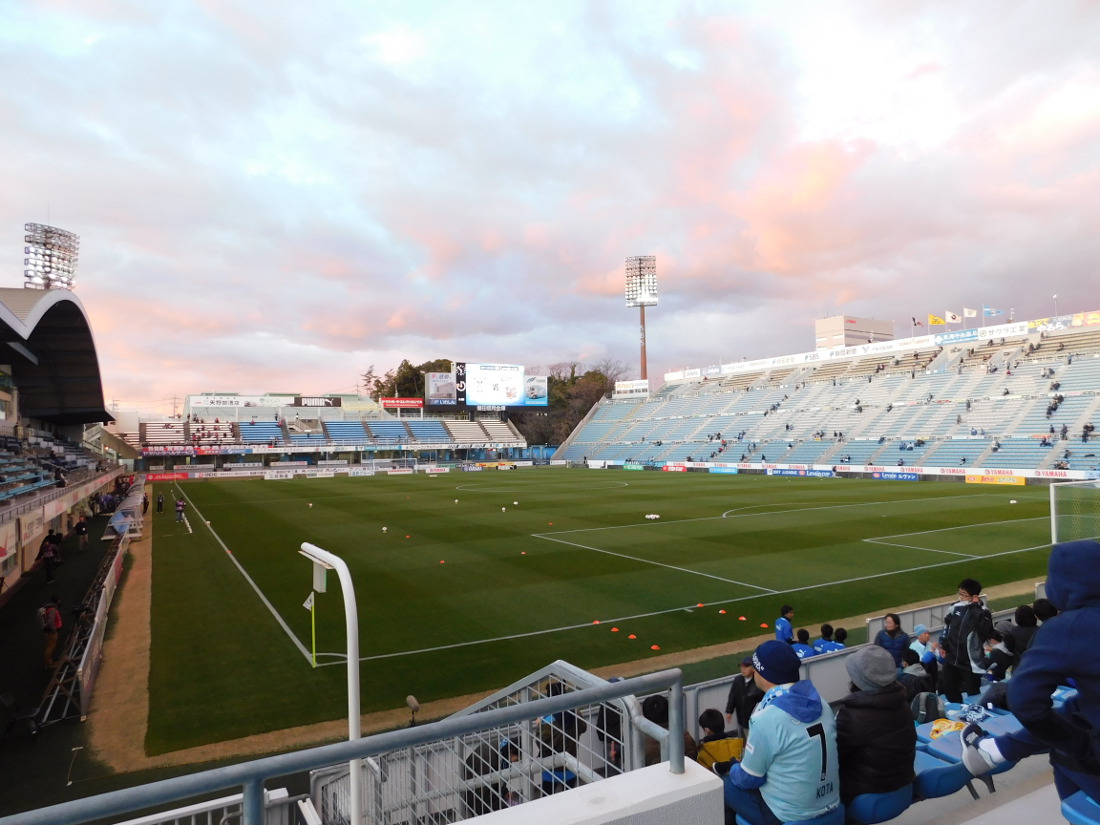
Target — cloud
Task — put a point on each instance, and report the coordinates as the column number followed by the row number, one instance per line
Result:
column 274, row 196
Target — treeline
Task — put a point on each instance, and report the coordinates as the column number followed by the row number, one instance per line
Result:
column 572, row 388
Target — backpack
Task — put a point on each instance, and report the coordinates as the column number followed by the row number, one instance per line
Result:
column 927, row 707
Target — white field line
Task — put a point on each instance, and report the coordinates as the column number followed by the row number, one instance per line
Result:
column 881, row 539
column 340, row 658
column 301, row 647
column 651, row 562
column 650, row 614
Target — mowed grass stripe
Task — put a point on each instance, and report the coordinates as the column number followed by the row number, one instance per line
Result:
column 501, row 583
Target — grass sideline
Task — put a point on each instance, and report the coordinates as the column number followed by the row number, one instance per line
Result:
column 522, row 586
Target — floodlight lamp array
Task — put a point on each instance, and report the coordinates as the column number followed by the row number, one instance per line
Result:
column 641, row 281
column 51, row 257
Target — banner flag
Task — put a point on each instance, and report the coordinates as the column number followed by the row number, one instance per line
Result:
column 969, row 313
column 916, row 323
column 935, row 321
column 308, row 603
column 989, row 312
column 952, row 317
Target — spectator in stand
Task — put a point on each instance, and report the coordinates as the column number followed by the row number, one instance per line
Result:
column 914, row 675
column 927, row 649
column 1044, row 610
column 744, row 697
column 784, row 632
column 841, row 636
column 789, row 771
column 999, row 655
column 1062, row 651
column 875, row 737
column 655, row 709
column 716, row 745
column 826, row 644
column 966, row 629
column 803, row 647
column 893, row 638
column 1023, row 629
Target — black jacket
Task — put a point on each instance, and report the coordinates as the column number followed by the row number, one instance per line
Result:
column 876, row 741
column 965, row 631
column 744, row 697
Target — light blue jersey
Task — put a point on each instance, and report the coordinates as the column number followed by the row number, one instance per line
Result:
column 792, row 745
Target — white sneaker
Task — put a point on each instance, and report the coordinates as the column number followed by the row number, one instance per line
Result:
column 977, row 761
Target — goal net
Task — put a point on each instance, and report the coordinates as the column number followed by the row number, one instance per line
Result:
column 1074, row 511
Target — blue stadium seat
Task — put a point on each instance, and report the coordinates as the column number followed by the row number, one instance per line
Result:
column 870, row 808
column 936, row 778
column 1081, row 809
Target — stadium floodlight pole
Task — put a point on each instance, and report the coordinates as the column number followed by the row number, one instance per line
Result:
column 351, row 615
column 52, row 255
column 641, row 291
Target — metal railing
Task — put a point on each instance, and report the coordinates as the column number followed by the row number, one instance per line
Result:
column 249, row 777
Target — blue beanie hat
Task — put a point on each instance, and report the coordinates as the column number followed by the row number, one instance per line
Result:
column 776, row 662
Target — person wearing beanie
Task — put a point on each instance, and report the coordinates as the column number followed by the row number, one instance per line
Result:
column 789, row 769
column 876, row 739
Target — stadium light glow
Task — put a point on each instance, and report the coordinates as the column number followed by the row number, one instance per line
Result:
column 641, row 292
column 51, row 257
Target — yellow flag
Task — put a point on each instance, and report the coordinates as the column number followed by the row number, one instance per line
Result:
column 935, row 321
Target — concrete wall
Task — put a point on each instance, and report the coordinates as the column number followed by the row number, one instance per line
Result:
column 650, row 796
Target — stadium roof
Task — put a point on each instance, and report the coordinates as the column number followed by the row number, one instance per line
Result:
column 52, row 356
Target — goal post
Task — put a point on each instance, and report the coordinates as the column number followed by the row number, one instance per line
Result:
column 1074, row 510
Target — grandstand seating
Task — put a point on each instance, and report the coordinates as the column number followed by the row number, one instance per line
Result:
column 467, row 431
column 428, row 430
column 984, row 405
column 347, row 432
column 389, row 432
column 262, row 432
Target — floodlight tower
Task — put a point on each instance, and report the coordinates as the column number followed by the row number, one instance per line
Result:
column 641, row 291
column 51, row 257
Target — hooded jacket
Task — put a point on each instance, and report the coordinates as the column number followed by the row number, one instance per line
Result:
column 1065, row 648
column 790, row 754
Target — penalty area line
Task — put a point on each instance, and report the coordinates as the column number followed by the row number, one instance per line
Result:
column 653, row 563
column 667, row 611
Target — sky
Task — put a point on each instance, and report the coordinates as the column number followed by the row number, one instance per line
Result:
column 274, row 196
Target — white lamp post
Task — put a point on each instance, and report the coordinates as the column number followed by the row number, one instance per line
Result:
column 332, row 562
column 1055, row 305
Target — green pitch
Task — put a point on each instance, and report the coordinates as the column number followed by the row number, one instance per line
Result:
column 469, row 595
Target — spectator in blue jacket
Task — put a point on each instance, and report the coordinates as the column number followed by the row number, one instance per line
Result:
column 893, row 638
column 803, row 647
column 1062, row 651
column 826, row 644
column 784, row 631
